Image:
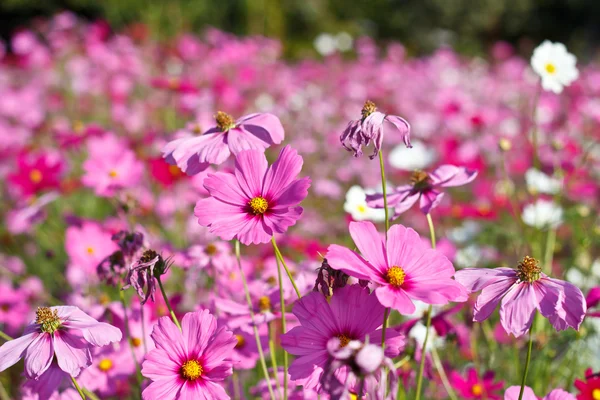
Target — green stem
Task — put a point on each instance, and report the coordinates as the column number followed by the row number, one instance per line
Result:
column 527, row 360
column 386, row 319
column 78, row 388
column 550, row 243
column 384, row 188
column 283, row 330
column 143, row 329
column 5, row 336
column 90, row 394
column 431, row 230
column 162, row 290
column 440, row 368
column 261, row 354
column 282, row 261
column 273, row 356
column 138, row 374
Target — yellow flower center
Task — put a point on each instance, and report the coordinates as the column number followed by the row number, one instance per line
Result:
column 550, row 68
column 477, row 390
column 197, row 129
column 353, row 396
column 35, row 175
column 361, row 208
column 174, row 170
column 368, row 109
column 528, row 270
column 105, row 365
column 258, row 205
column 113, row 174
column 596, row 394
column 211, row 249
column 241, row 342
column 191, row 370
column 136, row 342
column 344, row 340
column 264, row 304
column 395, row 276
column 225, row 121
column 78, row 127
column 419, row 179
column 48, row 319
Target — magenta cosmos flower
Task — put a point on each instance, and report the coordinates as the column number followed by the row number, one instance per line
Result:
column 257, row 200
column 424, row 187
column 193, row 154
column 404, row 267
column 62, row 331
column 188, row 364
column 522, row 291
column 474, row 387
column 351, row 314
column 512, row 393
column 370, row 128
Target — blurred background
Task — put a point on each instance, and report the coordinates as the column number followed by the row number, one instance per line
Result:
column 421, row 25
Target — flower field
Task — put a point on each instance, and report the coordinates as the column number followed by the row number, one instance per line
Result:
column 202, row 218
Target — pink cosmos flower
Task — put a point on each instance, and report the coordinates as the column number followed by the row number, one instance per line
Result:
column 370, row 128
column 474, row 387
column 193, row 154
column 62, row 331
column 111, row 166
column 351, row 314
column 13, row 307
column 424, row 187
column 188, row 364
column 522, row 291
column 110, row 371
column 512, row 393
column 257, row 200
column 404, row 268
column 36, row 172
column 23, row 219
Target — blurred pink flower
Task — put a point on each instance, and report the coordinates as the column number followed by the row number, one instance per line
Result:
column 36, row 172
column 110, row 371
column 423, row 187
column 193, row 154
column 62, row 331
column 474, row 387
column 88, row 245
column 188, row 364
column 522, row 291
column 512, row 393
column 351, row 314
column 257, row 200
column 403, row 267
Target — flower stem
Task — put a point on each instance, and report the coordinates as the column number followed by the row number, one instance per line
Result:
column 261, row 354
column 143, row 329
column 527, row 360
column 287, row 271
column 549, row 256
column 273, row 356
column 283, row 330
column 90, row 394
column 138, row 374
column 438, row 365
column 162, row 290
column 384, row 188
column 78, row 388
column 5, row 336
column 386, row 315
column 428, row 324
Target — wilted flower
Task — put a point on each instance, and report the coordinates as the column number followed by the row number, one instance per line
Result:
column 112, row 268
column 142, row 274
column 555, row 65
column 370, row 128
column 129, row 242
column 523, row 291
column 329, row 279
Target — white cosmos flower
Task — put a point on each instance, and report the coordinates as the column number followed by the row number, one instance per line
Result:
column 419, row 331
column 539, row 182
column 356, row 206
column 418, row 157
column 543, row 214
column 555, row 65
column 325, row 44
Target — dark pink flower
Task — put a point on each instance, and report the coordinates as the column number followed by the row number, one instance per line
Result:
column 474, row 387
column 523, row 291
column 36, row 172
column 193, row 154
column 257, row 200
column 424, row 187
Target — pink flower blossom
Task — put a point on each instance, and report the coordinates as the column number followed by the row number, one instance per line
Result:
column 193, row 154
column 474, row 387
column 351, row 314
column 36, row 172
column 257, row 200
column 188, row 364
column 404, row 268
column 425, row 188
column 512, row 393
column 522, row 291
column 62, row 331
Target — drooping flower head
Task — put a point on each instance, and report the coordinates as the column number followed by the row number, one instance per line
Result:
column 188, row 364
column 351, row 314
column 143, row 273
column 403, row 267
column 62, row 331
column 255, row 201
column 424, row 187
column 369, row 128
column 193, row 154
column 523, row 291
column 555, row 65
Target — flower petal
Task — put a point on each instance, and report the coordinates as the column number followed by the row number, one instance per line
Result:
column 518, row 308
column 475, row 279
column 72, row 352
column 197, row 328
column 164, row 389
column 343, row 259
column 159, row 364
column 430, row 199
column 282, row 173
column 264, row 126
column 370, row 244
column 168, row 337
column 38, row 356
column 13, row 350
column 512, row 393
column 490, row 297
column 250, row 169
column 450, row 175
column 396, row 299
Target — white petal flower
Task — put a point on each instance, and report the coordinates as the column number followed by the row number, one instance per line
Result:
column 418, row 157
column 325, row 44
column 419, row 331
column 539, row 182
column 356, row 206
column 555, row 65
column 543, row 214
